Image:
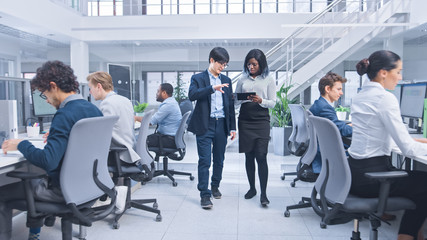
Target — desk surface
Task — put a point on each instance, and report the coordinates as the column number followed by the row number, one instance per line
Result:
column 14, row 159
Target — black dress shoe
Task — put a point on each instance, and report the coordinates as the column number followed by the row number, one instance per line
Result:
column 250, row 194
column 206, row 203
column 216, row 193
column 264, row 201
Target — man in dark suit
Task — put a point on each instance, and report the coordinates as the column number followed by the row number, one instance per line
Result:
column 212, row 121
column 330, row 87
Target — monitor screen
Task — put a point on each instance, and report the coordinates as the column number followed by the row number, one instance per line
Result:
column 397, row 92
column 40, row 106
column 412, row 100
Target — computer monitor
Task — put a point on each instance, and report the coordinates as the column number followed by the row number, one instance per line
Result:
column 412, row 100
column 41, row 108
column 397, row 92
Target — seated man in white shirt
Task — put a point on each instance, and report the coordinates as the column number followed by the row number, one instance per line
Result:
column 167, row 118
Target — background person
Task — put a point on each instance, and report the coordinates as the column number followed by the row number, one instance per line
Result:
column 212, row 121
column 377, row 125
column 167, row 118
column 254, row 119
column 330, row 88
column 57, row 84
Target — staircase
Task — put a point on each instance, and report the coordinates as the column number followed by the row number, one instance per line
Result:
column 330, row 37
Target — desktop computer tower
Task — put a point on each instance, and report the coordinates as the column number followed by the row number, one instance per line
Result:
column 8, row 120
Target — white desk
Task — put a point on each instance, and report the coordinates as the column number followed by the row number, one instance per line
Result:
column 14, row 159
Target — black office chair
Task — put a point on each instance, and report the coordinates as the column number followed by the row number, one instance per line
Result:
column 176, row 153
column 333, row 185
column 126, row 171
column 84, row 178
column 299, row 145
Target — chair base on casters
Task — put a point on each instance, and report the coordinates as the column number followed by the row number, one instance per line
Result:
column 137, row 203
column 306, row 202
column 170, row 172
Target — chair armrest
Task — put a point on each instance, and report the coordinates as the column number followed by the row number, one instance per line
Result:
column 381, row 176
column 25, row 175
column 119, row 149
column 29, row 196
column 385, row 179
column 116, row 158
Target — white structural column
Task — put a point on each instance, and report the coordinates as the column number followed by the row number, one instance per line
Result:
column 79, row 54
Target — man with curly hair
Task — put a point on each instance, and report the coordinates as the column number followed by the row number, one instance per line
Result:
column 58, row 85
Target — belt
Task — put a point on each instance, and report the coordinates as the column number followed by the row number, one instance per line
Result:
column 216, row 118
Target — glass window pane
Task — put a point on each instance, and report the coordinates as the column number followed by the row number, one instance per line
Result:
column 119, row 8
column 252, row 6
column 351, row 86
column 202, row 6
column 186, row 78
column 268, row 6
column 105, row 9
column 170, row 77
column 285, row 6
column 92, row 9
column 302, row 6
column 186, row 7
column 154, row 81
column 219, row 6
column 153, row 7
column 235, row 6
column 319, row 5
column 169, row 7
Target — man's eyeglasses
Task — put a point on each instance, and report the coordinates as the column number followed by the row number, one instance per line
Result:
column 224, row 65
column 42, row 96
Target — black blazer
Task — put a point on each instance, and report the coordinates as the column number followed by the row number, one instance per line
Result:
column 201, row 91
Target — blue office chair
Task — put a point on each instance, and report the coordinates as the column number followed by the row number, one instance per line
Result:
column 84, row 178
column 333, row 185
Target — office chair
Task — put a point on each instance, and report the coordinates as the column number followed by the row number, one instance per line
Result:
column 333, row 185
column 305, row 163
column 84, row 178
column 176, row 153
column 125, row 171
column 299, row 145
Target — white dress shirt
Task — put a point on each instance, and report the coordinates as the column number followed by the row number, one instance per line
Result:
column 264, row 87
column 377, row 125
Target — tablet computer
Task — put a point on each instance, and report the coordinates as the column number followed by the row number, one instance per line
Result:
column 244, row 96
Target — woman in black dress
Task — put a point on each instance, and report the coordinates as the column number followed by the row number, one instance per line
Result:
column 254, row 119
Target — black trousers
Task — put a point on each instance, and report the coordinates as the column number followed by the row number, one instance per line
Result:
column 412, row 187
column 158, row 139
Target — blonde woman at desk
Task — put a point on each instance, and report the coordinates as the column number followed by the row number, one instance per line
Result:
column 376, row 124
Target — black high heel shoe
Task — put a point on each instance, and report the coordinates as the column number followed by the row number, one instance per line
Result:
column 264, row 201
column 250, row 194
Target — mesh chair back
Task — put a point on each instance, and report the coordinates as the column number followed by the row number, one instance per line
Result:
column 311, row 151
column 299, row 139
column 333, row 155
column 179, row 136
column 89, row 140
column 141, row 143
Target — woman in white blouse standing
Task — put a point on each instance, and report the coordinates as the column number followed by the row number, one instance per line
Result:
column 254, row 119
column 377, row 125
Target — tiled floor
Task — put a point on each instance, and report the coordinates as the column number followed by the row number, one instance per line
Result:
column 232, row 217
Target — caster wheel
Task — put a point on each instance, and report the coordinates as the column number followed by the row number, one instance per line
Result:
column 283, row 177
column 292, row 184
column 174, row 184
column 116, row 225
column 142, row 183
column 159, row 218
column 300, row 202
column 155, row 205
column 322, row 226
column 191, row 178
column 287, row 213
